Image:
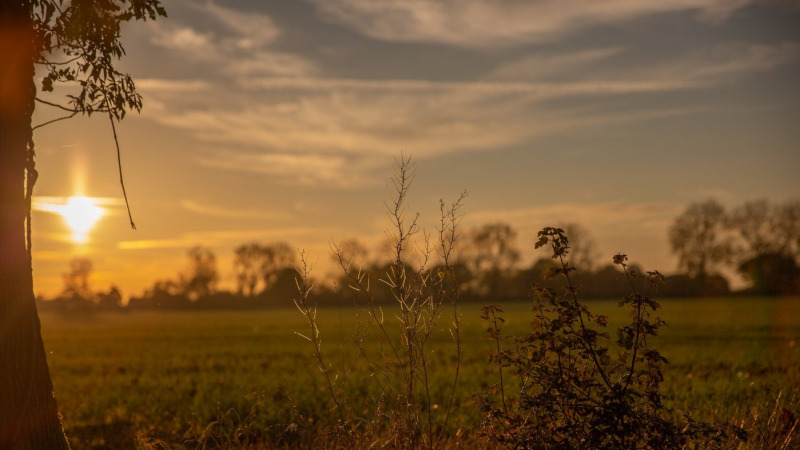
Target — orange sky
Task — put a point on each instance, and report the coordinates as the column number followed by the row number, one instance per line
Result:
column 279, row 121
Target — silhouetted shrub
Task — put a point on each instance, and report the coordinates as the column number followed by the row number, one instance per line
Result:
column 573, row 392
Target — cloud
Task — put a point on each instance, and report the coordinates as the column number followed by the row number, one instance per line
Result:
column 337, row 131
column 55, row 205
column 274, row 113
column 296, row 167
column 349, row 117
column 229, row 237
column 737, row 59
column 537, row 89
column 146, row 244
column 156, row 85
column 253, row 29
column 231, row 213
column 183, row 39
column 699, row 68
column 537, row 66
column 502, row 23
column 617, row 223
column 240, row 44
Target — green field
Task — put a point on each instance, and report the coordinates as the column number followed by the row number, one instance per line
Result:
column 126, row 380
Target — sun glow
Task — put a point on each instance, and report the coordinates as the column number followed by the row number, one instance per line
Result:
column 80, row 213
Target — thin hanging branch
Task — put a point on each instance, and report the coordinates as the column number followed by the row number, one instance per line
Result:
column 119, row 167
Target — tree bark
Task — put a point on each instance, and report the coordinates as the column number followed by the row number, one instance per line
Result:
column 28, row 412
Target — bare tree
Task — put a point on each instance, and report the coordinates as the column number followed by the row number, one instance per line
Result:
column 698, row 238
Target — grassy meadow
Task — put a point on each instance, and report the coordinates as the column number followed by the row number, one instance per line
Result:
column 194, row 379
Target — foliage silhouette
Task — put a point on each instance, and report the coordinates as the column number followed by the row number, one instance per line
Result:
column 573, row 393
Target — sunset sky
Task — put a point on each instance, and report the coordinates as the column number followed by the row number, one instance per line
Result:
column 280, row 121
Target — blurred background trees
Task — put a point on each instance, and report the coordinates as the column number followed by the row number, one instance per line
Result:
column 201, row 279
column 758, row 240
column 257, row 267
column 698, row 238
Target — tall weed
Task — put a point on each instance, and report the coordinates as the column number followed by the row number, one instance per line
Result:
column 403, row 409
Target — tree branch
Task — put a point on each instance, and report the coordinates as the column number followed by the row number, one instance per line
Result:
column 54, row 120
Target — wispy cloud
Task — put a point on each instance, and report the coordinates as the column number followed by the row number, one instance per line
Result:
column 738, row 59
column 253, row 30
column 182, row 38
column 240, row 45
column 366, row 116
column 231, row 213
column 156, row 85
column 539, row 66
column 696, row 69
column 228, row 237
column 482, row 24
column 336, row 131
column 277, row 113
column 539, row 90
column 296, row 167
column 55, row 205
column 604, row 215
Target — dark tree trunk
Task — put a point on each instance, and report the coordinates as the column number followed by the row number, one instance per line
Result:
column 28, row 413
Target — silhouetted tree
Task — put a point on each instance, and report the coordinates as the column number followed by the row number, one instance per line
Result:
column 754, row 222
column 258, row 265
column 771, row 273
column 767, row 247
column 245, row 266
column 276, row 257
column 201, row 280
column 166, row 294
column 786, row 228
column 111, row 300
column 582, row 247
column 76, row 281
column 351, row 251
column 491, row 253
column 698, row 238
column 164, row 288
column 74, row 42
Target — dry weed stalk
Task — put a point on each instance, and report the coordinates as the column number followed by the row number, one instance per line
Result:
column 404, row 412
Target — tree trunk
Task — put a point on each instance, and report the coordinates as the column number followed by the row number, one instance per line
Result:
column 28, row 413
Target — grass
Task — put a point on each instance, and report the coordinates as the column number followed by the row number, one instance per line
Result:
column 189, row 378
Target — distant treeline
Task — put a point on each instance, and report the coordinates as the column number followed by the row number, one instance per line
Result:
column 759, row 240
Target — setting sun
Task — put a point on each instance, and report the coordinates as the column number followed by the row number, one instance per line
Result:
column 80, row 214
